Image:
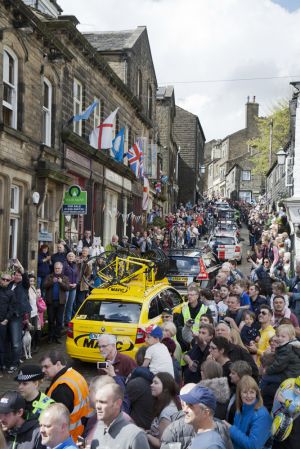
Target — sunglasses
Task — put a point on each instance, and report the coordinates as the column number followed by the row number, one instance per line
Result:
column 263, row 313
column 5, row 279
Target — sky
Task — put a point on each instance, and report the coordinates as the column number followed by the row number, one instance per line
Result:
column 215, row 53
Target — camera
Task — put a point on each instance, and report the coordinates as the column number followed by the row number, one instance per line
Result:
column 101, row 365
column 190, row 322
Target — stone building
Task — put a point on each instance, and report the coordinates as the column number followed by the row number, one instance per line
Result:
column 50, row 72
column 235, row 151
column 190, row 139
column 165, row 115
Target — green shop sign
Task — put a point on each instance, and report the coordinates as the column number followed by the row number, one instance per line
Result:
column 75, row 201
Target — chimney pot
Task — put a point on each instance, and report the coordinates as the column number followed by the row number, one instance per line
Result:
column 254, row 98
column 248, row 99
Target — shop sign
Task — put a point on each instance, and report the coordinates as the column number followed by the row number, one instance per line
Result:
column 45, row 236
column 75, row 201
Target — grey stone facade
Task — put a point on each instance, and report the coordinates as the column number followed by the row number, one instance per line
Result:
column 190, row 139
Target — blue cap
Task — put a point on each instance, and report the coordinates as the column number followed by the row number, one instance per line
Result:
column 200, row 395
column 155, row 331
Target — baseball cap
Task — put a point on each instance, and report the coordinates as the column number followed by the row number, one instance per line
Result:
column 155, row 331
column 11, row 401
column 167, row 311
column 200, row 395
column 29, row 373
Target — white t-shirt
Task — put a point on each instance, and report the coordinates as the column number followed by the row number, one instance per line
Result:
column 160, row 359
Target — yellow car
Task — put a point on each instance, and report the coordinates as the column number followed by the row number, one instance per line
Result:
column 122, row 307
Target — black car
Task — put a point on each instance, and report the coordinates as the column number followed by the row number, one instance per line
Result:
column 190, row 265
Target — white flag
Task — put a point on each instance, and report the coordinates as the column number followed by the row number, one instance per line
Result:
column 101, row 136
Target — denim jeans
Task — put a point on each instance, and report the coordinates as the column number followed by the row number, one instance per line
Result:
column 15, row 337
column 70, row 299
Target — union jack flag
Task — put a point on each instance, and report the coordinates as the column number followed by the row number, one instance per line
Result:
column 134, row 155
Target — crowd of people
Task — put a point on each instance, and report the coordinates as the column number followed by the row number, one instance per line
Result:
column 224, row 373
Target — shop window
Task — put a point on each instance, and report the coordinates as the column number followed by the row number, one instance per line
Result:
column 46, row 112
column 77, row 106
column 10, row 88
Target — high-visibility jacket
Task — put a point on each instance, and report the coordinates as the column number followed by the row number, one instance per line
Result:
column 195, row 328
column 40, row 404
column 77, row 383
column 187, row 316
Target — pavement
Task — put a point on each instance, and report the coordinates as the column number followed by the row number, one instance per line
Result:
column 89, row 370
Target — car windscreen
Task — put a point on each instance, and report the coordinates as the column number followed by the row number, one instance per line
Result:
column 184, row 265
column 223, row 241
column 112, row 311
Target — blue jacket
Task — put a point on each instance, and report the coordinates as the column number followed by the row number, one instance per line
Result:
column 251, row 428
column 67, row 444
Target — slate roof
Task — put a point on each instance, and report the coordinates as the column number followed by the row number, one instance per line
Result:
column 114, row 40
column 164, row 92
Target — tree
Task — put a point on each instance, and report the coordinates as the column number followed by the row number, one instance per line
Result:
column 280, row 118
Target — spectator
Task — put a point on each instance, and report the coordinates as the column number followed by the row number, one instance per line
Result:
column 29, row 379
column 85, row 242
column 43, row 269
column 85, row 269
column 252, row 422
column 120, row 364
column 263, row 278
column 21, row 310
column 234, row 313
column 164, row 391
column 56, row 286
column 219, row 350
column 145, row 243
column 171, row 345
column 68, row 387
column 7, row 311
column 256, row 299
column 139, row 394
column 125, row 242
column 287, row 354
column 167, row 314
column 199, row 406
column 2, row 440
column 19, row 433
column 266, row 332
column 34, row 318
column 268, row 384
column 113, row 245
column 54, row 427
column 279, row 289
column 169, row 331
column 198, row 354
column 190, row 315
column 60, row 255
column 70, row 269
column 212, row 377
column 206, row 296
column 113, row 429
column 238, row 369
column 248, row 327
column 282, row 311
column 157, row 356
column 236, row 352
column 239, row 288
column 221, row 300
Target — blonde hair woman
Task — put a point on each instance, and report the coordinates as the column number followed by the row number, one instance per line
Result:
column 252, row 421
column 169, row 331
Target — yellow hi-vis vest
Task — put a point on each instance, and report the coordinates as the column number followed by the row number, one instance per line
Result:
column 77, row 383
column 187, row 316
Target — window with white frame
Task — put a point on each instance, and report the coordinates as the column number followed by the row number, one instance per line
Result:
column 77, row 106
column 10, row 88
column 245, row 195
column 14, row 221
column 246, row 175
column 97, row 113
column 46, row 112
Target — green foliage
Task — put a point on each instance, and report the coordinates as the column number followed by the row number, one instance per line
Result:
column 158, row 221
column 281, row 126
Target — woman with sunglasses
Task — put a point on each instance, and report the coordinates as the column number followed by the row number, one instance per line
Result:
column 7, row 304
column 252, row 422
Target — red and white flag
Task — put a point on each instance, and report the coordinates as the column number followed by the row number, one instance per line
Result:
column 101, row 137
column 146, row 193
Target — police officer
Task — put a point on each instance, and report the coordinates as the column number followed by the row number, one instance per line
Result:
column 29, row 379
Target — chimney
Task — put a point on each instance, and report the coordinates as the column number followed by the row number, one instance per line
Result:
column 251, row 116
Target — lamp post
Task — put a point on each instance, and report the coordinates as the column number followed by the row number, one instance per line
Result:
column 281, row 155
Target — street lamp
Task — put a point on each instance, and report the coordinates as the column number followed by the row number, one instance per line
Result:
column 202, row 169
column 281, row 155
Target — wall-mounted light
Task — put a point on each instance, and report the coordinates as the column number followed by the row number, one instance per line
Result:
column 281, row 155
column 35, row 198
column 202, row 169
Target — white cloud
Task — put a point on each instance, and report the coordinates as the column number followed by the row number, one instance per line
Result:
column 194, row 40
